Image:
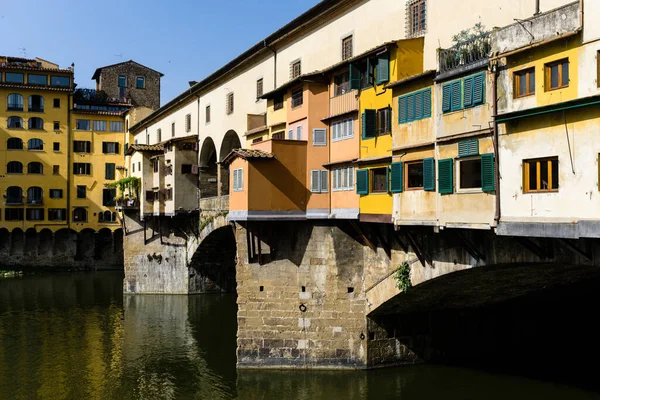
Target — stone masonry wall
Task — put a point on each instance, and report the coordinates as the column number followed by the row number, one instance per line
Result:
column 147, row 97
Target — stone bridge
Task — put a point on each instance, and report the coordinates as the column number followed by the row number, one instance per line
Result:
column 323, row 294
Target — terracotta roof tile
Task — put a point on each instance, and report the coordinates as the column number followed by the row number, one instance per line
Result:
column 246, row 154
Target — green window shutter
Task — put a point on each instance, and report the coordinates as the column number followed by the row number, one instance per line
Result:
column 488, row 173
column 418, row 105
column 445, row 171
column 478, row 88
column 428, row 174
column 446, row 98
column 402, row 110
column 467, row 92
column 456, row 103
column 354, row 76
column 468, row 147
column 369, row 123
column 411, row 108
column 427, row 103
column 388, row 118
column 396, row 177
column 362, row 181
column 383, row 68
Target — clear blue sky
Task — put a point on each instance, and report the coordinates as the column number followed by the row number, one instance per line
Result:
column 185, row 40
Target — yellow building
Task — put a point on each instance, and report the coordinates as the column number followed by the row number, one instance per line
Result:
column 35, row 96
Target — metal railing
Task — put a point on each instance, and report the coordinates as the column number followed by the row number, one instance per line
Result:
column 474, row 50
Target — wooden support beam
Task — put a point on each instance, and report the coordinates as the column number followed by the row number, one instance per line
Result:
column 575, row 249
column 385, row 244
column 533, row 247
column 359, row 231
column 395, row 235
column 470, row 247
column 417, row 250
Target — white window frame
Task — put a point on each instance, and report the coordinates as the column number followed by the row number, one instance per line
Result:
column 113, row 124
column 324, row 131
column 298, row 132
column 290, row 134
column 238, row 180
column 343, row 179
column 320, row 184
column 458, row 175
column 342, row 129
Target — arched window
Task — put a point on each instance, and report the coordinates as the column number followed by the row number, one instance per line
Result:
column 79, row 215
column 15, row 122
column 107, row 216
column 34, row 195
column 35, row 167
column 15, row 102
column 14, row 167
column 14, row 195
column 35, row 123
column 35, row 144
column 36, row 103
column 14, row 144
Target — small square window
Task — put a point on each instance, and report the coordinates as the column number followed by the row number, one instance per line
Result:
column 379, row 180
column 540, row 175
column 56, row 146
column 56, row 169
column 414, row 177
column 56, row 193
column 56, row 103
column 230, row 106
column 524, row 83
column 347, row 47
column 259, row 88
column 295, row 69
column 139, row 82
column 296, row 98
column 557, row 75
column 81, row 191
column 470, row 173
column 56, row 125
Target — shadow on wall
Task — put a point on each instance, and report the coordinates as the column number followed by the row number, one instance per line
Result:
column 212, row 267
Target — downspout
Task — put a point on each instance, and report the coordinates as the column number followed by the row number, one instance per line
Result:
column 275, row 63
column 496, row 151
column 70, row 105
column 537, row 7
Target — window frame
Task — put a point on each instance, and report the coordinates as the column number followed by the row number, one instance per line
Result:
column 416, row 25
column 347, row 47
column 137, row 80
column 187, row 123
column 547, row 74
column 238, row 180
column 293, row 71
column 343, row 175
column 230, row 103
column 343, row 125
column 80, row 191
column 458, row 169
column 208, row 113
column 526, row 73
column 295, row 95
column 259, row 88
column 526, row 175
column 372, row 189
column 406, row 167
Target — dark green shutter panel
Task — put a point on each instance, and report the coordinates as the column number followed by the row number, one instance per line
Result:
column 109, row 171
column 388, row 118
column 488, row 173
column 383, row 68
column 467, row 92
column 354, row 76
column 468, row 147
column 418, row 105
column 369, row 123
column 363, row 130
column 411, row 108
column 427, row 103
column 456, row 96
column 362, row 181
column 445, row 171
column 428, row 174
column 478, row 88
column 402, row 110
column 446, row 97
column 396, row 177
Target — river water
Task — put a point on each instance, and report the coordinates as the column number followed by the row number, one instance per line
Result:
column 76, row 336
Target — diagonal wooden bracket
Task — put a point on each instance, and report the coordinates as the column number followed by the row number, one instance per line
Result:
column 575, row 249
column 359, row 231
column 385, row 244
column 417, row 250
column 534, row 248
column 471, row 247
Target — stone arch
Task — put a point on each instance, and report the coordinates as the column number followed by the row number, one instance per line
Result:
column 230, row 142
column 30, row 243
column 207, row 166
column 46, row 242
column 65, row 242
column 5, row 242
column 104, row 244
column 212, row 266
column 118, row 241
column 17, row 242
column 85, row 245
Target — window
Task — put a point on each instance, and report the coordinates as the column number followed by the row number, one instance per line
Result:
column 470, row 173
column 343, row 129
column 238, row 181
column 56, row 103
column 35, row 214
column 35, row 79
column 56, row 214
column 83, row 125
column 290, row 134
column 207, row 114
column 107, row 216
column 122, row 81
column 81, row 191
column 296, row 98
column 55, row 169
column 159, row 135
column 416, row 18
column 34, row 195
column 540, row 175
column 259, row 88
column 115, row 126
column 257, row 140
column 36, row 103
column 524, row 82
column 56, row 193
column 186, row 168
column 319, row 137
column 278, row 135
column 319, row 183
column 172, row 128
column 79, row 214
column 81, row 169
column 110, row 148
column 347, row 47
column 139, row 82
column 14, row 167
column 414, row 177
column 108, row 195
column 35, row 167
column 56, row 125
column 414, row 106
column 230, row 106
column 81, row 146
column 188, row 123
column 342, row 83
column 14, row 77
column 278, row 102
column 295, row 69
column 14, row 144
column 167, row 194
column 463, row 93
column 14, row 102
column 60, row 81
column 100, row 126
column 56, row 146
column 35, row 123
column 379, row 180
column 149, row 195
column 15, row 122
column 384, row 121
column 13, row 214
column 14, row 195
column 298, row 133
column 556, row 75
column 110, row 171
column 35, row 144
column 343, row 178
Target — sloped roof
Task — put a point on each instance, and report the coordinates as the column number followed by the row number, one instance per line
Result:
column 96, row 74
column 145, row 148
column 246, row 154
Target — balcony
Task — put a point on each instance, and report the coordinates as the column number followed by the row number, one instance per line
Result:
column 343, row 103
column 470, row 52
column 14, row 201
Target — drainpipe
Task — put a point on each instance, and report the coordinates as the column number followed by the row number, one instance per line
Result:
column 275, row 62
column 496, row 152
column 537, row 7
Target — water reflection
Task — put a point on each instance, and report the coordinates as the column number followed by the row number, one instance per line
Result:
column 77, row 337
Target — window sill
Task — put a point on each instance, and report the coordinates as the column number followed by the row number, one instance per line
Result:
column 342, row 138
column 469, row 191
column 344, row 190
column 413, row 189
column 319, row 145
column 524, row 96
column 381, row 193
column 556, row 88
column 540, row 191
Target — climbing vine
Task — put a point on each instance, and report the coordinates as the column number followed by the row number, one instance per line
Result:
column 130, row 184
column 403, row 281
